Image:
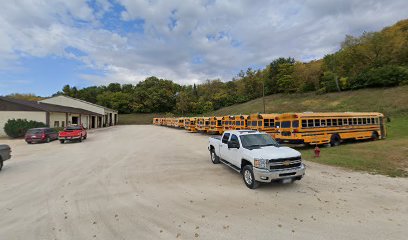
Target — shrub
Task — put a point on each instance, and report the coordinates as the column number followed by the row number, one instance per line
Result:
column 18, row 127
column 386, row 76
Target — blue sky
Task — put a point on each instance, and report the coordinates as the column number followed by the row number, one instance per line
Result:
column 45, row 45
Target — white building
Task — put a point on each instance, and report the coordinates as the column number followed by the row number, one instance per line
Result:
column 108, row 117
column 50, row 114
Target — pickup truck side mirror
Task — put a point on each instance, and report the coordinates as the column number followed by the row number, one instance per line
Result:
column 233, row 144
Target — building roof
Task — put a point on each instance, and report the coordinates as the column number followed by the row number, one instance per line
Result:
column 80, row 100
column 46, row 107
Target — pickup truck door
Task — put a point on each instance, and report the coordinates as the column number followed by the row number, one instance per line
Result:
column 233, row 154
column 224, row 146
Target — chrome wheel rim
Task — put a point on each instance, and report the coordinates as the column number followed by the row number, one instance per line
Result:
column 212, row 156
column 248, row 177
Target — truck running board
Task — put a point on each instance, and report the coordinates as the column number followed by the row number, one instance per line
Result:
column 231, row 165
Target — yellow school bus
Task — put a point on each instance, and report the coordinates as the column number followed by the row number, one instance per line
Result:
column 203, row 124
column 190, row 124
column 180, row 122
column 169, row 122
column 156, row 121
column 263, row 122
column 216, row 125
column 236, row 122
column 330, row 128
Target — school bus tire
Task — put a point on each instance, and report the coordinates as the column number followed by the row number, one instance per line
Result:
column 335, row 140
column 374, row 136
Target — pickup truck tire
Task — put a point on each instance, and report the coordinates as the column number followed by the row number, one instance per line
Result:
column 85, row 137
column 80, row 139
column 48, row 140
column 214, row 158
column 248, row 176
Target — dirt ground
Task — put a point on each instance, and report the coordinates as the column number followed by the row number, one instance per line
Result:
column 150, row 182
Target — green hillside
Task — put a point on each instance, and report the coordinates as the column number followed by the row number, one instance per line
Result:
column 390, row 101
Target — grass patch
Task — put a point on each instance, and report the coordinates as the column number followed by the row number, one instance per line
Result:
column 137, row 118
column 388, row 157
column 390, row 101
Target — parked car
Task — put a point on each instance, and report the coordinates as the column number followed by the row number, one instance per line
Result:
column 35, row 135
column 257, row 156
column 72, row 133
column 5, row 154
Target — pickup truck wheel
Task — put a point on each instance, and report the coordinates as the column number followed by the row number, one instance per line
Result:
column 48, row 140
column 85, row 137
column 214, row 158
column 80, row 139
column 249, row 179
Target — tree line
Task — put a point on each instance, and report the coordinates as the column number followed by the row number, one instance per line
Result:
column 374, row 59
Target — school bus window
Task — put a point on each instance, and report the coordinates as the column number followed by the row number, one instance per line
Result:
column 254, row 123
column 329, row 122
column 260, row 123
column 310, row 123
column 364, row 121
column 354, row 121
column 238, row 123
column 295, row 124
column 266, row 122
column 340, row 122
column 368, row 120
column 323, row 122
column 277, row 124
column 359, row 121
column 219, row 123
column 345, row 121
column 242, row 123
column 317, row 122
column 286, row 124
column 350, row 121
column 304, row 124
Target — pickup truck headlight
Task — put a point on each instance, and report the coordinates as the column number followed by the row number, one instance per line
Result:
column 260, row 163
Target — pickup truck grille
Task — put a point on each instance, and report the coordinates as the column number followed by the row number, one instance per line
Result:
column 285, row 166
column 281, row 160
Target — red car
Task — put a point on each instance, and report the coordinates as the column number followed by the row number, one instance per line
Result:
column 72, row 133
column 35, row 135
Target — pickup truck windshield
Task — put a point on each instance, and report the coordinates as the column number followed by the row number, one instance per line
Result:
column 257, row 140
column 73, row 128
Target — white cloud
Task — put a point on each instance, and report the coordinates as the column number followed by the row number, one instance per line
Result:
column 187, row 41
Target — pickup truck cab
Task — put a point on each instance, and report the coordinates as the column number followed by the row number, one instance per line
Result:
column 5, row 154
column 257, row 156
column 72, row 133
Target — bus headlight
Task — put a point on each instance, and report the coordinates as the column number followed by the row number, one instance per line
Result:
column 260, row 163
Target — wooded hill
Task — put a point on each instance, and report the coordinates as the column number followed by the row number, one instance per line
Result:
column 372, row 60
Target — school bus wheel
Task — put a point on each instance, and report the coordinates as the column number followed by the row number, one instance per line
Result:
column 335, row 140
column 374, row 136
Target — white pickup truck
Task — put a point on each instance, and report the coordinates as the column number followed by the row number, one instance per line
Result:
column 257, row 156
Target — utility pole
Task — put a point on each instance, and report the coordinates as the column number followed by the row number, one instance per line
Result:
column 263, row 96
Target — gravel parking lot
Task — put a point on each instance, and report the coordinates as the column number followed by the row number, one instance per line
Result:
column 150, row 182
